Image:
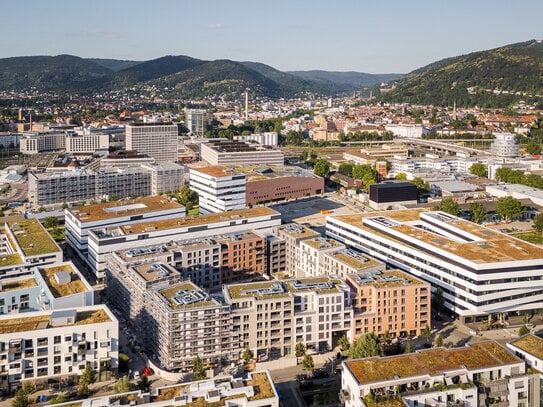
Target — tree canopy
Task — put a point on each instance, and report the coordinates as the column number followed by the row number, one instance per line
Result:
column 449, row 205
column 365, row 346
column 538, row 222
column 533, row 148
column 198, row 372
column 479, row 170
column 478, row 211
column 322, row 168
column 509, row 208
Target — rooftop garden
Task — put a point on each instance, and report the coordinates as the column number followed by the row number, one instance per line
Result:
column 60, row 290
column 33, row 238
column 170, row 292
column 92, row 317
column 237, row 291
column 10, row 260
column 18, row 284
column 531, row 344
column 12, row 325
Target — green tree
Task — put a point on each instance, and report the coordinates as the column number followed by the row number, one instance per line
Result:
column 61, row 398
column 401, row 176
column 533, row 148
column 307, row 364
column 344, row 343
column 523, row 330
column 198, row 372
column 89, row 375
column 437, row 298
column 299, row 350
column 294, row 138
column 538, row 222
column 360, row 171
column 123, row 362
column 449, row 205
column 144, row 384
column 534, row 181
column 50, row 222
column 21, row 399
column 247, row 355
column 409, row 347
column 322, row 168
column 368, row 180
column 123, row 385
column 427, row 333
column 509, row 208
column 366, row 345
column 346, row 169
column 478, row 211
column 83, row 390
column 438, row 341
column 479, row 170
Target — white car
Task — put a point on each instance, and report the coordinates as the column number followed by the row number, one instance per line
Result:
column 136, row 375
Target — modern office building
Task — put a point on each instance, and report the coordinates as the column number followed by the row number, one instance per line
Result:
column 80, row 220
column 271, row 317
column 155, row 140
column 237, row 153
column 218, row 190
column 196, row 121
column 389, row 301
column 86, row 143
column 269, row 138
column 481, row 374
column 166, row 176
column 105, row 240
column 482, row 272
column 42, row 345
column 24, row 245
column 34, row 143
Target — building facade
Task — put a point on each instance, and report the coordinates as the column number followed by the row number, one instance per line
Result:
column 156, row 140
column 218, row 189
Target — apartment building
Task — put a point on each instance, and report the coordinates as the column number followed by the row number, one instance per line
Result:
column 343, row 262
column 228, row 152
column 166, row 176
column 293, row 234
column 530, row 349
column 42, row 345
column 482, row 272
column 242, row 257
column 389, row 301
column 185, row 322
column 256, row 390
column 275, row 253
column 312, row 251
column 80, row 220
column 156, row 140
column 24, row 245
column 105, row 240
column 505, row 145
column 60, row 187
column 271, row 317
column 481, row 374
column 218, row 190
column 48, row 288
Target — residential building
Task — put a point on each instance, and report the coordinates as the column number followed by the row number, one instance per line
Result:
column 218, row 190
column 105, row 240
column 242, row 257
column 481, row 374
column 367, row 156
column 166, row 176
column 34, row 143
column 185, row 322
column 343, row 262
column 389, row 301
column 80, row 220
column 529, row 348
column 196, row 121
column 271, row 317
column 57, row 188
column 42, row 345
column 275, row 252
column 24, row 245
column 157, row 140
column 505, row 145
column 237, row 153
column 407, row 130
column 293, row 234
column 474, row 266
column 312, row 251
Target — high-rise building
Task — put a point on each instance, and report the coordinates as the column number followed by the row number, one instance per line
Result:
column 196, row 121
column 156, row 140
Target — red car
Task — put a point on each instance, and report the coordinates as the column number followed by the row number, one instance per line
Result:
column 147, row 371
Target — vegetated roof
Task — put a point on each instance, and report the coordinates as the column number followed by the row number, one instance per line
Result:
column 433, row 362
column 531, row 344
column 75, row 285
column 125, row 207
column 357, row 261
column 18, row 284
column 386, row 278
column 33, row 238
column 170, row 292
column 249, row 290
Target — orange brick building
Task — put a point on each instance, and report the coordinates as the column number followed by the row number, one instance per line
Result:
column 242, row 257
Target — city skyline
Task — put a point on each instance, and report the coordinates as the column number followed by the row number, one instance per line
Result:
column 373, row 37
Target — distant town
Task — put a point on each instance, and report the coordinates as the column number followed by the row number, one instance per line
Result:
column 269, row 252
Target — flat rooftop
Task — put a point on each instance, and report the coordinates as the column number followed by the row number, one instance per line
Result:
column 322, row 243
column 386, row 278
column 154, row 271
column 187, row 295
column 431, row 361
column 197, row 220
column 297, row 231
column 216, row 171
column 32, row 238
column 486, row 246
column 284, row 288
column 355, row 259
column 74, row 286
column 110, row 210
column 530, row 344
column 10, row 324
column 17, row 284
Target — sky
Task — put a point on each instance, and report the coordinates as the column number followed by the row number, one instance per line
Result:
column 386, row 36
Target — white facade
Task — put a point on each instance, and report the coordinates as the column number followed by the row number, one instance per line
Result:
column 37, row 143
column 505, row 145
column 407, row 130
column 238, row 153
column 86, row 143
column 312, row 253
column 41, row 345
column 156, row 140
column 269, row 138
column 474, row 266
column 217, row 190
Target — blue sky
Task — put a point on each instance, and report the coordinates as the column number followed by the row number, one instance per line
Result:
column 343, row 35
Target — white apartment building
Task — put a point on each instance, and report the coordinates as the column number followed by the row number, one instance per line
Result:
column 482, row 272
column 156, row 140
column 407, row 130
column 312, row 252
column 271, row 317
column 218, row 189
column 343, row 262
column 52, row 188
column 80, row 220
column 105, row 240
column 505, row 145
column 237, row 153
column 293, row 234
column 42, row 345
column 34, row 143
column 25, row 244
column 86, row 143
column 529, row 348
column 433, row 165
column 481, row 374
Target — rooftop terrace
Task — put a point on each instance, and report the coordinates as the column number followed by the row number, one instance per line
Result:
column 187, row 295
column 433, row 362
column 355, row 259
column 387, row 278
column 108, row 210
column 17, row 284
column 154, row 271
column 298, row 231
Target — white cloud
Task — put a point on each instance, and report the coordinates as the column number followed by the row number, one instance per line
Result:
column 216, row 26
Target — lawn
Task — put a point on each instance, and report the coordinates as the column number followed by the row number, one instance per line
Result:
column 532, row 237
